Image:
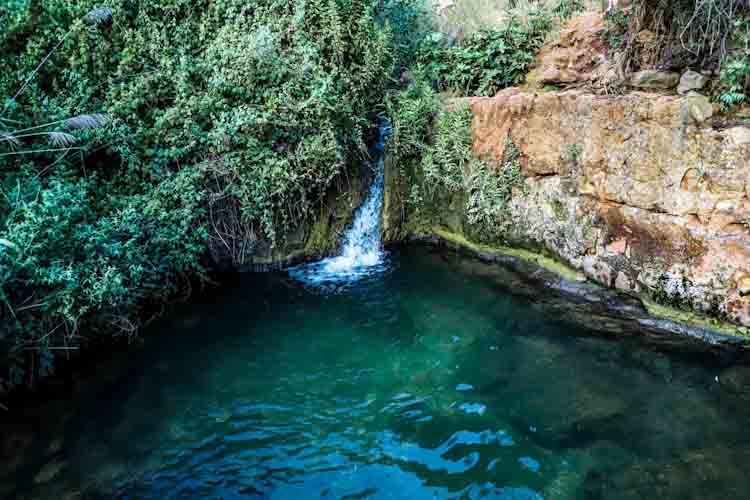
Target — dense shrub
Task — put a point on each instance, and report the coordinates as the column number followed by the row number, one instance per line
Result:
column 434, row 143
column 734, row 85
column 735, row 82
column 492, row 58
column 489, row 60
column 449, row 164
column 272, row 100
column 67, row 262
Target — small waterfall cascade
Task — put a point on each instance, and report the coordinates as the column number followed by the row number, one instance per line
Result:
column 362, row 253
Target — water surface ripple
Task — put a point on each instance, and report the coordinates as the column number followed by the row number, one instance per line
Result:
column 430, row 382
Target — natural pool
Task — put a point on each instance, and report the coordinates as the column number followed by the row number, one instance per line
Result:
column 427, row 379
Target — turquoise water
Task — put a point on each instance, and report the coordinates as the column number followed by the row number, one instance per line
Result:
column 426, row 380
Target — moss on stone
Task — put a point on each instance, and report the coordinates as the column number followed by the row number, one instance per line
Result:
column 543, row 261
column 695, row 319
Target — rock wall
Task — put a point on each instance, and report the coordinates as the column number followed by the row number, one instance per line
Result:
column 644, row 191
column 637, row 191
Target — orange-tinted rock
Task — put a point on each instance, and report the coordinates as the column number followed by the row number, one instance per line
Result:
column 655, row 201
column 574, row 56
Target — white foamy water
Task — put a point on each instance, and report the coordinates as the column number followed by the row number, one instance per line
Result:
column 362, row 251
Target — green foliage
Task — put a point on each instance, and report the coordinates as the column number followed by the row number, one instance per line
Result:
column 566, row 9
column 734, row 80
column 271, row 100
column 436, row 143
column 491, row 59
column 448, row 162
column 572, row 153
column 617, row 21
column 74, row 258
column 490, row 190
column 411, row 112
column 449, row 165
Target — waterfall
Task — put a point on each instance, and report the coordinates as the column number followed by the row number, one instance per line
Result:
column 362, row 252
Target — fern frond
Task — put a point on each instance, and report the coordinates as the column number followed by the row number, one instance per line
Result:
column 11, row 139
column 61, row 139
column 84, row 122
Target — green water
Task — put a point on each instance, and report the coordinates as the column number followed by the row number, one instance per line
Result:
column 428, row 380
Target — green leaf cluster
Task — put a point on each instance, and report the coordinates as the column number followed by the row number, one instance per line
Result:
column 434, row 142
column 492, row 58
column 734, row 82
column 271, row 100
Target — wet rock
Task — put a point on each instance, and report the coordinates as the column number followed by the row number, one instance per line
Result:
column 597, row 270
column 691, row 81
column 625, row 283
column 654, row 80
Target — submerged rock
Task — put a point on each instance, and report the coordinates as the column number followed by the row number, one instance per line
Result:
column 49, row 471
column 698, row 474
column 736, row 380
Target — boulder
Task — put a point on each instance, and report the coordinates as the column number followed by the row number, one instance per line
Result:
column 739, row 135
column 691, row 81
column 654, row 80
column 575, row 56
column 699, row 107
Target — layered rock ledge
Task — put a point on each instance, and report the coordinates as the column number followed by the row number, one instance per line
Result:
column 644, row 192
column 639, row 192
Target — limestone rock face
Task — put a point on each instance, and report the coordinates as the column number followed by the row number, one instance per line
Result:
column 576, row 56
column 654, row 80
column 654, row 202
column 691, row 81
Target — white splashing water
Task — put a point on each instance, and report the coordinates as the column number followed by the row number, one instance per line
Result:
column 362, row 251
